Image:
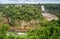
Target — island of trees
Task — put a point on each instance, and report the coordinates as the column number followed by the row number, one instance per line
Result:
column 28, row 19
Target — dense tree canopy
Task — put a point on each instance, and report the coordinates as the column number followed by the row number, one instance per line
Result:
column 45, row 29
column 22, row 12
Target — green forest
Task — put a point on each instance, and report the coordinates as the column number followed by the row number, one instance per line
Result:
column 28, row 19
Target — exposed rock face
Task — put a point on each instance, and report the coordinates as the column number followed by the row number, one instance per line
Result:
column 24, row 26
column 32, row 22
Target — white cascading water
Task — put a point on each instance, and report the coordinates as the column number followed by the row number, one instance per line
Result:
column 42, row 7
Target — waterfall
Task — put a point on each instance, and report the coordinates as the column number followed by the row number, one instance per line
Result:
column 42, row 7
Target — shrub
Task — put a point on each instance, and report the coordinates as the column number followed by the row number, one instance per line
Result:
column 45, row 33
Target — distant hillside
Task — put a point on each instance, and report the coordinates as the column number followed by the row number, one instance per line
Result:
column 53, row 8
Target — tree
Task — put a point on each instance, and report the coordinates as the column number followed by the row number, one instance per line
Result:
column 25, row 12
